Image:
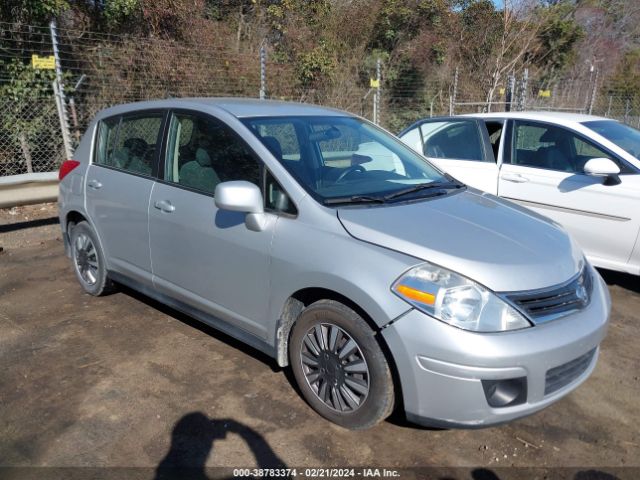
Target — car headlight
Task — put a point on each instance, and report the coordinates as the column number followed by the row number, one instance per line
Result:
column 456, row 300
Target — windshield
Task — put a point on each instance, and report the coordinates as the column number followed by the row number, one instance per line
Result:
column 626, row 137
column 346, row 159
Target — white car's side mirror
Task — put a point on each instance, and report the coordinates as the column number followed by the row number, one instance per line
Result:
column 603, row 167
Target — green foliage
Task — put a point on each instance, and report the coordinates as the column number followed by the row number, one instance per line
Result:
column 25, row 117
column 481, row 31
column 332, row 46
column 433, row 12
column 276, row 15
column 439, row 52
column 626, row 80
column 399, row 20
column 315, row 66
column 558, row 38
column 34, row 12
column 118, row 11
column 26, row 83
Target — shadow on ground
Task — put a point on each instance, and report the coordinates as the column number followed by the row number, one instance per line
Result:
column 193, row 440
column 12, row 227
column 623, row 280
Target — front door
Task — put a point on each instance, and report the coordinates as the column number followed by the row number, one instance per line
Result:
column 545, row 172
column 203, row 256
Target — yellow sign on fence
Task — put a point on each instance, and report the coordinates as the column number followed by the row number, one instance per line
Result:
column 374, row 83
column 544, row 93
column 43, row 63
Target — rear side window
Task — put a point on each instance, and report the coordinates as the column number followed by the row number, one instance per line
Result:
column 107, row 137
column 453, row 139
column 129, row 142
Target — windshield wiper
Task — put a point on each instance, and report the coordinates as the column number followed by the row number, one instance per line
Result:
column 424, row 186
column 354, row 199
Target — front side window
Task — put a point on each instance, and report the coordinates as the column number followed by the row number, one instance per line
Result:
column 552, row 147
column 626, row 137
column 453, row 139
column 275, row 197
column 337, row 157
column 202, row 152
column 129, row 142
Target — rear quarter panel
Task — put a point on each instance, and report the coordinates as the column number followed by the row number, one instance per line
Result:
column 71, row 194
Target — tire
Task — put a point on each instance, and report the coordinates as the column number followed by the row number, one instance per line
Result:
column 88, row 260
column 343, row 370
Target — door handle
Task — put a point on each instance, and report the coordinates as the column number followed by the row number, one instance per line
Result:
column 95, row 184
column 164, row 205
column 514, row 177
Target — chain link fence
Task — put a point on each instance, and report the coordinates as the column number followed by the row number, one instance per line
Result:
column 98, row 70
column 30, row 137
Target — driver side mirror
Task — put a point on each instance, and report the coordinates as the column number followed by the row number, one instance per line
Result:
column 603, row 167
column 242, row 196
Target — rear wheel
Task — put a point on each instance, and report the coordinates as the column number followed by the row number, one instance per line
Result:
column 88, row 260
column 340, row 367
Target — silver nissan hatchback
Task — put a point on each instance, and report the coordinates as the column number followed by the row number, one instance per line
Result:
column 319, row 238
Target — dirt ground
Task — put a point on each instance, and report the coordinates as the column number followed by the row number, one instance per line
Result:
column 124, row 381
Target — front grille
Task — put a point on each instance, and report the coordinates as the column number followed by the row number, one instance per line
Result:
column 548, row 303
column 558, row 377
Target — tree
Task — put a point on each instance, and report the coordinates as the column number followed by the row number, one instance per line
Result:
column 518, row 39
column 558, row 37
column 31, row 12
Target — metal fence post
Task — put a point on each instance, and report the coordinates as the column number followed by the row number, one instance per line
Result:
column 594, row 91
column 58, row 91
column 376, row 95
column 263, row 72
column 452, row 98
column 627, row 110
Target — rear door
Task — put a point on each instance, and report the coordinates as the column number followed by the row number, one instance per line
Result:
column 544, row 170
column 458, row 145
column 119, row 183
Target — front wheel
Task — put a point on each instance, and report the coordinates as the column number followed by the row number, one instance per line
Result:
column 340, row 367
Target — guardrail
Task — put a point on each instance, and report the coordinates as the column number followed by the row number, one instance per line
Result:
column 28, row 188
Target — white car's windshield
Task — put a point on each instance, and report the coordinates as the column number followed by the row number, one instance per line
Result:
column 626, row 137
column 347, row 160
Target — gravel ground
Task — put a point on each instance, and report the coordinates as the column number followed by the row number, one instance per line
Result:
column 124, row 381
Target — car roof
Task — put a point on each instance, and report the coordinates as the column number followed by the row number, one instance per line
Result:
column 238, row 107
column 555, row 117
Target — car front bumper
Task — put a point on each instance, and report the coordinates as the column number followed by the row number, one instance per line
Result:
column 445, row 372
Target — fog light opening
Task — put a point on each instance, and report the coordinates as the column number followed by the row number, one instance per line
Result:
column 506, row 392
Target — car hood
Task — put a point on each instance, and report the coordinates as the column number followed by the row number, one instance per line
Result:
column 502, row 246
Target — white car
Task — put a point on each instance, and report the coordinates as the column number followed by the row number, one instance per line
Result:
column 581, row 171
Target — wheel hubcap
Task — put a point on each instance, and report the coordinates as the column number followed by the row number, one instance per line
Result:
column 334, row 367
column 86, row 259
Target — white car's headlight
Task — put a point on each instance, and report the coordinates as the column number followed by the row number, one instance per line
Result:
column 456, row 300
